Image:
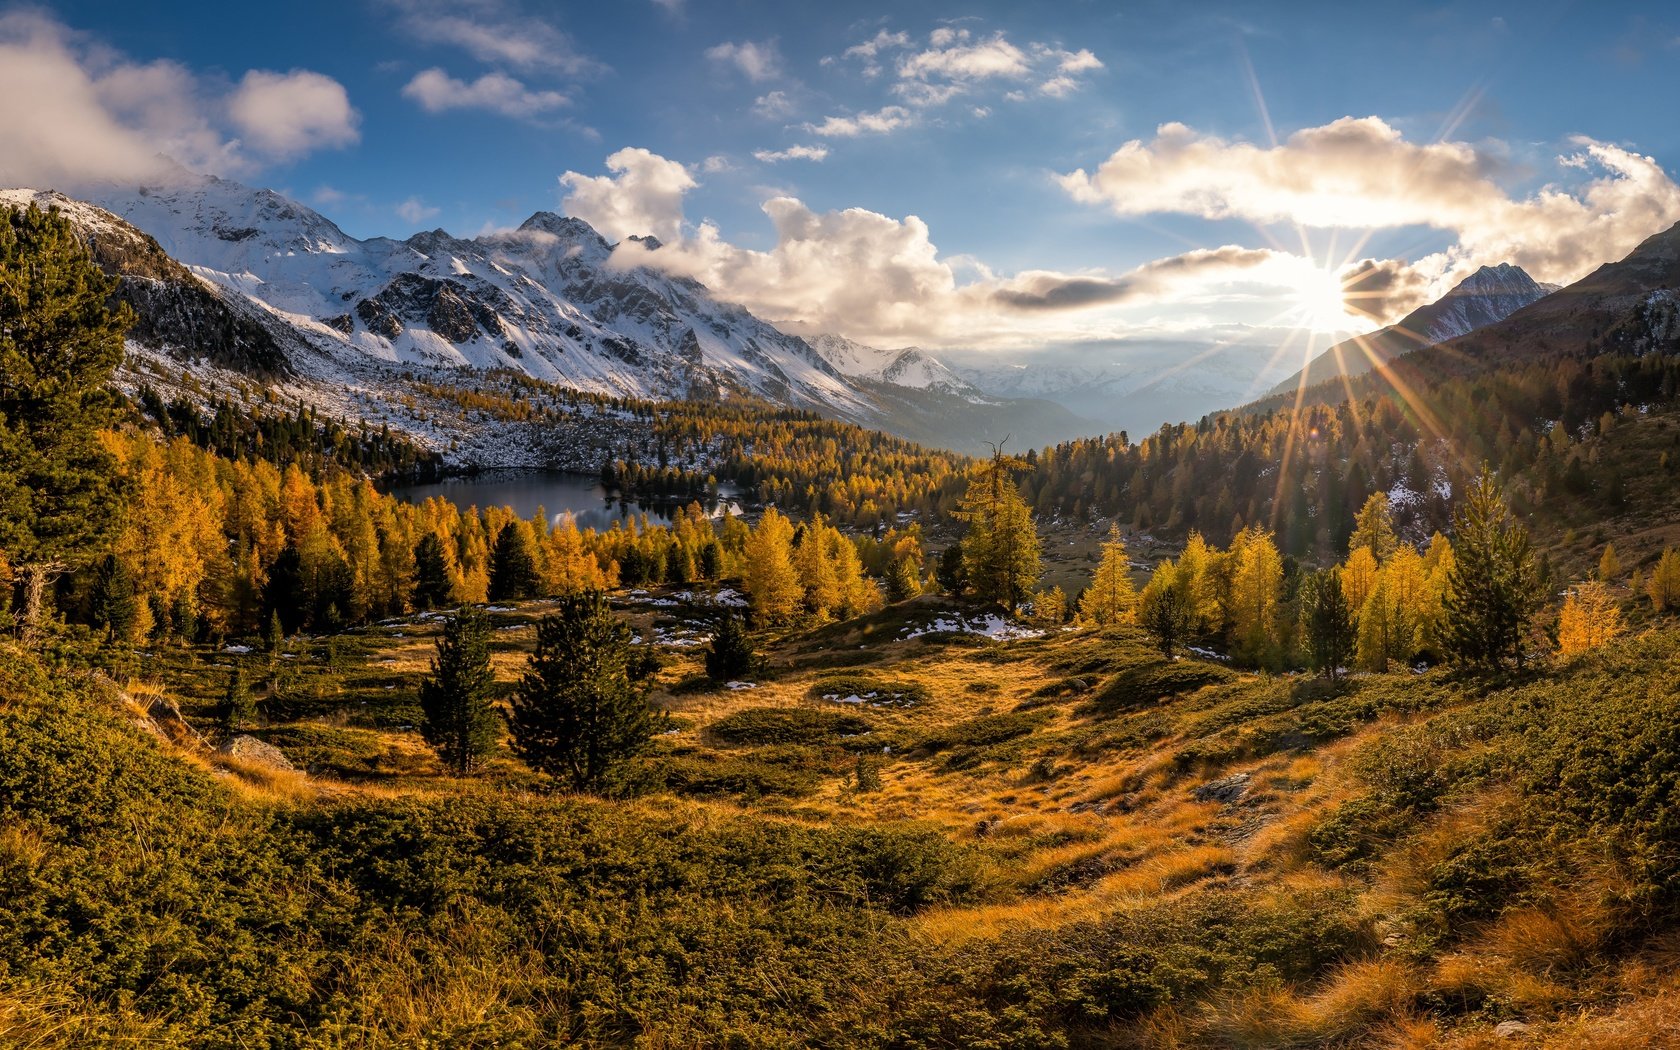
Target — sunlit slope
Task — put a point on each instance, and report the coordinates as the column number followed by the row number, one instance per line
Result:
column 1062, row 841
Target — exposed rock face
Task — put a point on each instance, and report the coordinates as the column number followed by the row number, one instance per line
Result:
column 174, row 309
column 249, row 749
column 379, row 318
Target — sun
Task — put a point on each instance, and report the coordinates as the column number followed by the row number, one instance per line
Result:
column 1319, row 302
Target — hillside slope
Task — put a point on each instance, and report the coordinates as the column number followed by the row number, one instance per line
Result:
column 1073, row 843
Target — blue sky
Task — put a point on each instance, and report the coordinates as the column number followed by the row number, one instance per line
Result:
column 465, row 115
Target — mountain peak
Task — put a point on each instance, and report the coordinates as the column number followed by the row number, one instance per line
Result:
column 1503, row 279
column 565, row 227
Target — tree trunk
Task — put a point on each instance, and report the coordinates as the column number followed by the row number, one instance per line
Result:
column 35, row 579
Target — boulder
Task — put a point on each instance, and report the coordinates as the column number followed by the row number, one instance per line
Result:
column 249, row 749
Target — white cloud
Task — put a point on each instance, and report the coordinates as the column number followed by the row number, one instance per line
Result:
column 716, row 163
column 1081, row 61
column 882, row 41
column 75, row 113
column 773, row 106
column 955, row 62
column 757, row 61
column 437, row 91
column 414, row 211
column 870, row 50
column 494, row 31
column 889, row 118
column 644, row 197
column 792, row 153
column 1388, row 289
column 1363, row 174
column 954, row 57
column 881, row 279
column 288, row 114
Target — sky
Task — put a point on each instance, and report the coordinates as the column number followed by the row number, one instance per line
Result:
column 990, row 177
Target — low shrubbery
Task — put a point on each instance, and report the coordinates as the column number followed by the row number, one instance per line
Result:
column 781, row 725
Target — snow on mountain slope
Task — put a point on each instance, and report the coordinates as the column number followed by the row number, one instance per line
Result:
column 545, row 299
column 909, row 367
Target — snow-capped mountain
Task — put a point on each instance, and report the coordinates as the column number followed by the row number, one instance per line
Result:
column 909, row 367
column 1491, row 294
column 546, row 299
column 232, row 283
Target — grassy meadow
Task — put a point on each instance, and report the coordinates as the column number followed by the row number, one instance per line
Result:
column 930, row 841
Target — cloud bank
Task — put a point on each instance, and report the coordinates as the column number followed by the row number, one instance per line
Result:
column 76, row 114
column 877, row 278
column 644, row 196
column 1361, row 173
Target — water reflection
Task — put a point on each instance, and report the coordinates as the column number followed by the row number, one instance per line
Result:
column 558, row 493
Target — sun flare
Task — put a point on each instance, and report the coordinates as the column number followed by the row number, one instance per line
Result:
column 1319, row 303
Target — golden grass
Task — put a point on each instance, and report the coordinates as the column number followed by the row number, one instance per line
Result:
column 1358, row 999
column 32, row 1018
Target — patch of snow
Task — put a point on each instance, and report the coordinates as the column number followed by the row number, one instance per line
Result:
column 991, row 626
column 237, row 650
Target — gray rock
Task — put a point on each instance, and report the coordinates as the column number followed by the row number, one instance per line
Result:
column 1510, row 1029
column 247, row 748
column 1226, row 790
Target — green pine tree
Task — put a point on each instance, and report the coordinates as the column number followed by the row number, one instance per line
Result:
column 112, row 602
column 432, row 589
column 460, row 720
column 581, row 707
column 904, row 579
column 731, row 656
column 1166, row 609
column 237, row 709
column 1001, row 557
column 274, row 634
column 60, row 344
column 1327, row 622
column 950, row 571
column 1492, row 590
column 513, row 570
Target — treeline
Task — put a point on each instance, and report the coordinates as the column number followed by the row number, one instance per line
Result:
column 1479, row 600
column 1305, row 474
column 212, row 547
column 302, row 438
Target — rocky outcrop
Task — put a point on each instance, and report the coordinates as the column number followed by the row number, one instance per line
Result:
column 251, row 751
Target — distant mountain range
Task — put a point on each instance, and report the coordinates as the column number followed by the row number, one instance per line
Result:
column 250, row 281
column 1491, row 294
column 1133, row 387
